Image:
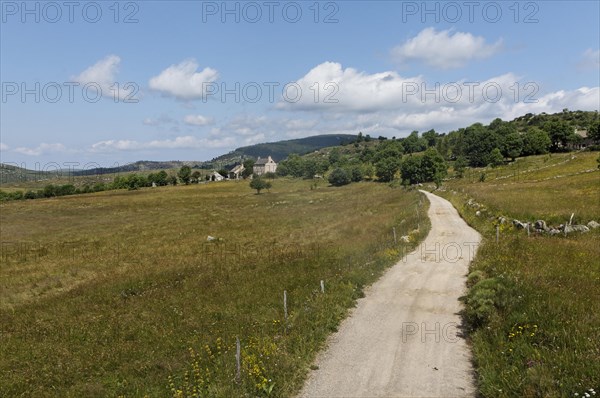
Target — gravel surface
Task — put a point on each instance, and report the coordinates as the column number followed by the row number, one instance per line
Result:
column 403, row 339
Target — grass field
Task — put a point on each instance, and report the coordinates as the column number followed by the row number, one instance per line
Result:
column 119, row 293
column 534, row 302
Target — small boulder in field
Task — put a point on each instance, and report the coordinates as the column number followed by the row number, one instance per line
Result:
column 541, row 225
column 575, row 228
column 593, row 224
column 519, row 225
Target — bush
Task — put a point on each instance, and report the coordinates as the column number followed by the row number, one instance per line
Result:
column 339, row 177
column 259, row 184
column 485, row 298
column 356, row 173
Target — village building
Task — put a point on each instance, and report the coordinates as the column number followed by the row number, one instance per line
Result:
column 236, row 172
column 215, row 176
column 583, row 141
column 264, row 165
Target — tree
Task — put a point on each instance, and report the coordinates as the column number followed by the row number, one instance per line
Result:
column 413, row 143
column 433, row 166
column 535, row 142
column 161, row 178
column 386, row 168
column 259, row 184
column 339, row 177
column 196, row 176
column 594, row 131
column 185, row 174
column 560, row 133
column 248, row 168
column 479, row 142
column 430, row 137
column 172, row 180
column 335, row 155
column 496, row 158
column 459, row 166
column 310, row 168
column 411, row 170
column 513, row 145
column 293, row 165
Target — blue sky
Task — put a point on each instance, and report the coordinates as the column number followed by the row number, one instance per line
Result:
column 115, row 82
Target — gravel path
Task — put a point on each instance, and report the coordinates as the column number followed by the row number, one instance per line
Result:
column 402, row 339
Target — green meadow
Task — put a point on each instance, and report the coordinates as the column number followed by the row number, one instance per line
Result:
column 123, row 293
column 533, row 307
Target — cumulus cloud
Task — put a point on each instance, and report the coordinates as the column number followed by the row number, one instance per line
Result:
column 345, row 89
column 41, row 149
column 444, row 49
column 198, row 120
column 102, row 77
column 183, row 142
column 389, row 104
column 183, row 81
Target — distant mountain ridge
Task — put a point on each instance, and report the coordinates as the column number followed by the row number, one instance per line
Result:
column 282, row 149
column 277, row 150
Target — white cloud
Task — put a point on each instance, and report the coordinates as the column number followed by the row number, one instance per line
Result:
column 198, row 120
column 347, row 90
column 444, row 49
column 386, row 103
column 590, row 59
column 41, row 149
column 103, row 75
column 4, row 147
column 161, row 120
column 184, row 142
column 183, row 81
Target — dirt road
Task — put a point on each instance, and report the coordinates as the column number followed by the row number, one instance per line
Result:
column 402, row 339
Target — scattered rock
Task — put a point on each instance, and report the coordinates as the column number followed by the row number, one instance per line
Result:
column 502, row 220
column 575, row 228
column 210, row 238
column 405, row 239
column 593, row 224
column 553, row 231
column 477, row 213
column 520, row 225
column 541, row 225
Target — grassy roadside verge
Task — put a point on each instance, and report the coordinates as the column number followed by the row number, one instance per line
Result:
column 533, row 306
column 120, row 294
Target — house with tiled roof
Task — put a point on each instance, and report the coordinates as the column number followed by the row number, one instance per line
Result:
column 264, row 165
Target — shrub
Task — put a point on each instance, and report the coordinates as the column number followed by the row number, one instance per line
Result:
column 339, row 177
column 259, row 184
